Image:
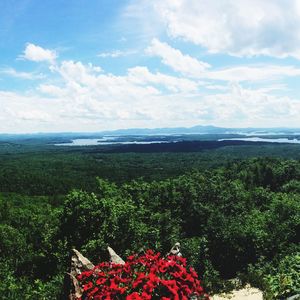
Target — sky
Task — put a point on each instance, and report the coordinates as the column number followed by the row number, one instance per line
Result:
column 93, row 65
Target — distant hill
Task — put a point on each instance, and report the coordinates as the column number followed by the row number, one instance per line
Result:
column 166, row 130
column 199, row 129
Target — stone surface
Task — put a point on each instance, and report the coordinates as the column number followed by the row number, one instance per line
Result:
column 114, row 257
column 79, row 263
column 247, row 293
column 175, row 250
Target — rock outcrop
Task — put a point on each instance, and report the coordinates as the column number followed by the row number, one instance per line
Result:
column 79, row 264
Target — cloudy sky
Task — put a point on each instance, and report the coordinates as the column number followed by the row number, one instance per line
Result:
column 91, row 65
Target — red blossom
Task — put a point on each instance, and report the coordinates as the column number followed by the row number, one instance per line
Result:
column 100, row 281
column 88, row 286
column 140, row 278
column 134, row 296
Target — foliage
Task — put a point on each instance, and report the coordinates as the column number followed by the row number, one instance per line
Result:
column 239, row 218
column 284, row 281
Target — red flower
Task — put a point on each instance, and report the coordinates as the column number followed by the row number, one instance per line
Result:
column 134, row 296
column 88, row 286
column 146, row 296
column 100, row 280
column 141, row 278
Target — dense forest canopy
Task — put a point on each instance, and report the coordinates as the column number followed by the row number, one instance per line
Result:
column 235, row 218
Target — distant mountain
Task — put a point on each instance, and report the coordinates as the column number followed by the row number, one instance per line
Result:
column 161, row 131
column 199, row 129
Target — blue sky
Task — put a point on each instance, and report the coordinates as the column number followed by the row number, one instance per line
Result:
column 108, row 64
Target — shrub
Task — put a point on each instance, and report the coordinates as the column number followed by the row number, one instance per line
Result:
column 285, row 280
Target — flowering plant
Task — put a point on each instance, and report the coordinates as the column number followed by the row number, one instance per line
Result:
column 142, row 277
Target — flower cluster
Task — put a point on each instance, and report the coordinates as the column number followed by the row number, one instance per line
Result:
column 142, row 277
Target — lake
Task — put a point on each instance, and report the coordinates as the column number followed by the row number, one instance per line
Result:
column 258, row 139
column 107, row 141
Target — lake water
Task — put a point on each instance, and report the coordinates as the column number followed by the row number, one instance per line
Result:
column 114, row 141
column 258, row 139
column 107, row 141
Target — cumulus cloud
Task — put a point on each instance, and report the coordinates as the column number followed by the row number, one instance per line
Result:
column 253, row 106
column 175, row 59
column 99, row 98
column 36, row 53
column 83, row 99
column 26, row 112
column 192, row 67
column 242, row 28
column 142, row 75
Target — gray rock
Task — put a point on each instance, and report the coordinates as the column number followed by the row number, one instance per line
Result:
column 114, row 257
column 79, row 263
column 175, row 250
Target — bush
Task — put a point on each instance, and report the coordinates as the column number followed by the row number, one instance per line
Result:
column 285, row 279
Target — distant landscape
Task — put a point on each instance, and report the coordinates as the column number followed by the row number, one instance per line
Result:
column 79, row 158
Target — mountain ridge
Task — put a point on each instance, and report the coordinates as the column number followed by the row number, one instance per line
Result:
column 197, row 129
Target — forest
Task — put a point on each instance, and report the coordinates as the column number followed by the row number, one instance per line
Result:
column 234, row 208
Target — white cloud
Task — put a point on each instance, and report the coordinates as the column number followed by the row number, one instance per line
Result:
column 190, row 66
column 253, row 73
column 32, row 115
column 22, row 75
column 26, row 112
column 240, row 107
column 141, row 75
column 116, row 53
column 82, row 99
column 242, row 28
column 176, row 59
column 97, row 98
column 253, row 107
column 76, row 71
column 36, row 53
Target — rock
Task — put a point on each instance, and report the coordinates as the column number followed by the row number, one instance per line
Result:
column 175, row 250
column 79, row 263
column 114, row 257
column 247, row 293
